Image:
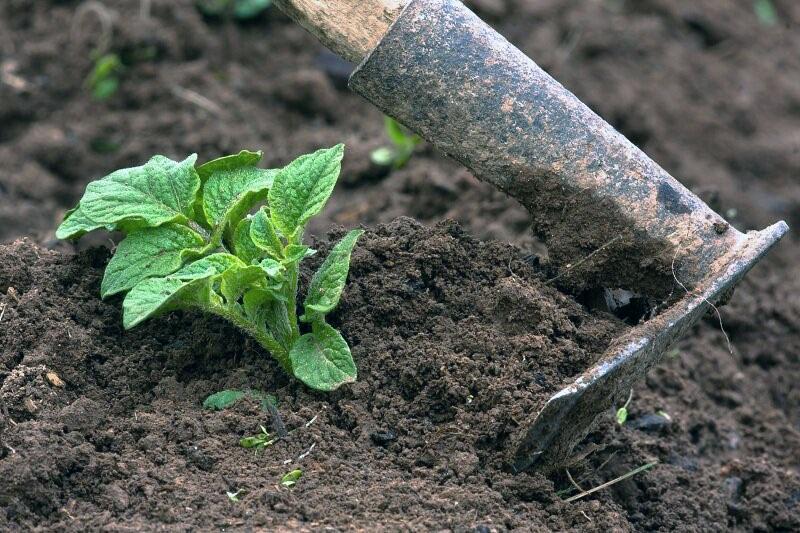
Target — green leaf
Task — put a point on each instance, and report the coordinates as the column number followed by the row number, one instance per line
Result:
column 223, row 399
column 294, row 253
column 251, row 442
column 158, row 192
column 765, row 12
column 264, row 235
column 622, row 415
column 244, row 158
column 328, row 282
column 105, row 89
column 189, row 286
column 76, row 223
column 229, row 194
column 155, row 296
column 243, row 246
column 271, row 267
column 214, row 263
column 290, row 479
column 236, row 280
column 302, row 187
column 397, row 134
column 322, row 360
column 262, row 307
column 147, row 253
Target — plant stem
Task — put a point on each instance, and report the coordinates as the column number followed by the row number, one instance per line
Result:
column 292, row 273
column 260, row 334
column 291, row 306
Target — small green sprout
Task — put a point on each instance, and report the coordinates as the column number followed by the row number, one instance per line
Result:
column 241, row 9
column 258, row 441
column 290, row 479
column 103, row 81
column 191, row 243
column 765, row 12
column 226, row 398
column 403, row 142
column 622, row 412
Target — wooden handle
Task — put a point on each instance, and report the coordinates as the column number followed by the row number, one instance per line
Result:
column 350, row 28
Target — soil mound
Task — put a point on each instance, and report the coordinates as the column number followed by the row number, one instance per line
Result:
column 458, row 344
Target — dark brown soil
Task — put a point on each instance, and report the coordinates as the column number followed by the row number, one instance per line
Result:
column 458, row 344
column 702, row 86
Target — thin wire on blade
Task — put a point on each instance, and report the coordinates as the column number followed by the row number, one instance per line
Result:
column 719, row 316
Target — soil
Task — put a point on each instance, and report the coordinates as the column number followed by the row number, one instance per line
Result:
column 704, row 87
column 458, row 343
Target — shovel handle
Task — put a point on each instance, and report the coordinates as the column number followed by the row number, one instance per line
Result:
column 349, row 28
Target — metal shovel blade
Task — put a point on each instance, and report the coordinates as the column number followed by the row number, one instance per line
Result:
column 591, row 193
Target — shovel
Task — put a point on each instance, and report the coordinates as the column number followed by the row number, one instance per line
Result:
column 609, row 215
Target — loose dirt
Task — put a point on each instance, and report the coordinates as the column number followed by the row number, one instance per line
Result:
column 702, row 86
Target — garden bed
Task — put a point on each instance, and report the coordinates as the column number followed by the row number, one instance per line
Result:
column 704, row 87
column 458, row 344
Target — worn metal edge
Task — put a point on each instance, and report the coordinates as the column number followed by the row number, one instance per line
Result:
column 567, row 417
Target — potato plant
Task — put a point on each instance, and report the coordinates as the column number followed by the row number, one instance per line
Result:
column 192, row 243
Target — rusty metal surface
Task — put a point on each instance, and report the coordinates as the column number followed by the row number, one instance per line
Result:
column 591, row 193
column 444, row 73
column 568, row 415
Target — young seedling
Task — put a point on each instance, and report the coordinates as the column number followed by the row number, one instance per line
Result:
column 403, row 144
column 290, row 479
column 103, row 81
column 192, row 244
column 258, row 441
column 622, row 412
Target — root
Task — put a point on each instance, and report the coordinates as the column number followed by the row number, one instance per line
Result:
column 612, row 482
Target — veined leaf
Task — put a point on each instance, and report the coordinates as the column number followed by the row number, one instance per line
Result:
column 272, row 268
column 261, row 307
column 147, row 253
column 243, row 246
column 294, row 253
column 189, row 286
column 328, row 282
column 263, row 235
column 76, row 223
column 217, row 263
column 229, row 194
column 302, row 187
column 158, row 192
column 321, row 359
column 236, row 280
column 244, row 158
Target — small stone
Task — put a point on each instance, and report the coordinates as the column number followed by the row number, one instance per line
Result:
column 649, row 422
column 383, row 438
column 54, row 380
column 30, row 406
